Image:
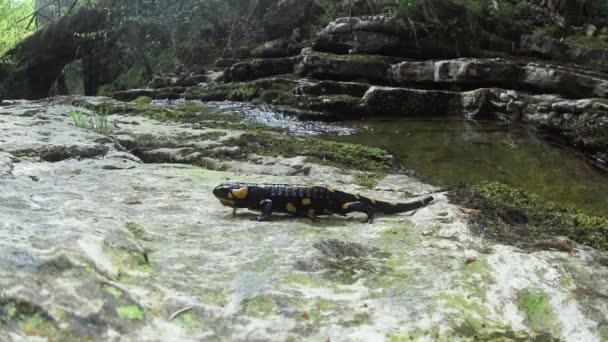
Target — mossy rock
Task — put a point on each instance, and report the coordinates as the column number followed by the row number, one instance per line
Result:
column 517, row 217
column 359, row 157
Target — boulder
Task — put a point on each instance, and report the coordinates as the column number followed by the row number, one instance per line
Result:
column 389, row 25
column 161, row 81
column 583, row 122
column 277, row 48
column 374, row 43
column 564, row 81
column 365, row 35
column 286, row 15
column 225, row 62
column 551, row 48
column 472, row 72
column 380, row 34
column 466, row 71
column 341, row 67
column 405, row 102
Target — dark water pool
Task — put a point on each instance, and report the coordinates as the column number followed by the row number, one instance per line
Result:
column 453, row 151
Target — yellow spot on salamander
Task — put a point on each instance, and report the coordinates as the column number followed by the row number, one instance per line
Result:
column 345, row 206
column 291, row 208
column 311, row 212
column 241, row 193
column 357, row 196
column 373, row 200
column 331, row 190
column 306, row 201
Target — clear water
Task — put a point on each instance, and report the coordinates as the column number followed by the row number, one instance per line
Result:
column 452, row 151
column 251, row 113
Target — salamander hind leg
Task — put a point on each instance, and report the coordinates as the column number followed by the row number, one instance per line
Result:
column 266, row 211
column 350, row 207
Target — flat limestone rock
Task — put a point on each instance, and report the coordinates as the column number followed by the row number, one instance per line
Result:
column 147, row 253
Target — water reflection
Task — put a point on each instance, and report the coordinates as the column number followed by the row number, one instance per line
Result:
column 451, row 151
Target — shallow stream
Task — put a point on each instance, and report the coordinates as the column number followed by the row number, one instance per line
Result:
column 453, row 151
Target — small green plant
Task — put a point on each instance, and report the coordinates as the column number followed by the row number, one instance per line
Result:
column 97, row 122
column 77, row 117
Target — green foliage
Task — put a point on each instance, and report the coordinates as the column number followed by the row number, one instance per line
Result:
column 132, row 78
column 518, row 217
column 74, row 78
column 510, row 17
column 600, row 8
column 77, row 117
column 329, row 11
column 12, row 28
column 407, row 8
column 162, row 61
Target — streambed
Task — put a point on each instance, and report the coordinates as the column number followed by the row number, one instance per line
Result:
column 453, row 151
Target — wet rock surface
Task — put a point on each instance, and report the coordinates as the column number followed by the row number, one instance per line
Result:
column 103, row 246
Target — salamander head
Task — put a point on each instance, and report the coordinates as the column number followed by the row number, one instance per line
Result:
column 231, row 194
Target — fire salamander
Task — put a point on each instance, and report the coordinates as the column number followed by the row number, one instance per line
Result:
column 307, row 201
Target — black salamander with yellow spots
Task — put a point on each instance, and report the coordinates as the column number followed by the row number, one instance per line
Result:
column 308, row 201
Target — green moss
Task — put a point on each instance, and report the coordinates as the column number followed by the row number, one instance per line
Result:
column 11, row 310
column 116, row 293
column 29, row 318
column 602, row 330
column 142, row 100
column 552, row 31
column 262, row 306
column 299, row 279
column 187, row 320
column 600, row 100
column 137, row 230
column 590, row 42
column 34, row 325
column 275, row 90
column 131, row 312
column 537, row 310
column 398, row 232
column 367, row 180
column 188, row 112
column 213, row 296
column 518, row 217
column 126, row 260
column 487, row 250
column 325, row 152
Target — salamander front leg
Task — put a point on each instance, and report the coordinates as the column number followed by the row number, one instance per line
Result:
column 349, row 207
column 266, row 211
